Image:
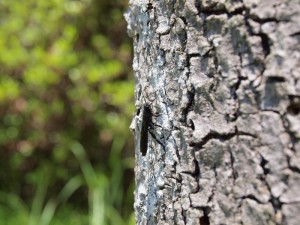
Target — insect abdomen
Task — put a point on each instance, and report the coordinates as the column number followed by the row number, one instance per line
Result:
column 146, row 119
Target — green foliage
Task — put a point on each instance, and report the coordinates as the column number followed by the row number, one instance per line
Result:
column 66, row 98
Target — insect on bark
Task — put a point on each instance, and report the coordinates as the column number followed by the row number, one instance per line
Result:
column 146, row 120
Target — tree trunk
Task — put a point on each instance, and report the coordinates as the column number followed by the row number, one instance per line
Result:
column 217, row 126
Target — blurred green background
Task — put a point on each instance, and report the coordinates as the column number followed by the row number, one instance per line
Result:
column 66, row 101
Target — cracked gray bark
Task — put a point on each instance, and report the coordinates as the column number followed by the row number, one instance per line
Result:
column 217, row 125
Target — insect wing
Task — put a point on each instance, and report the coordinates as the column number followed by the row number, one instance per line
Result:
column 146, row 119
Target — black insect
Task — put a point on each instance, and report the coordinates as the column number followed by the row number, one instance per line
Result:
column 149, row 7
column 148, row 128
column 146, row 122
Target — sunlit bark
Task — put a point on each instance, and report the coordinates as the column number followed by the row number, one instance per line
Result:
column 219, row 143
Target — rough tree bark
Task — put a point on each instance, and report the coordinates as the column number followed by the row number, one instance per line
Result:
column 217, row 125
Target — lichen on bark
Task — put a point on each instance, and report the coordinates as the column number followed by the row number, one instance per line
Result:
column 221, row 80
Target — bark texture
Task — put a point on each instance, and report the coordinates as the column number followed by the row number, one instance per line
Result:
column 217, row 125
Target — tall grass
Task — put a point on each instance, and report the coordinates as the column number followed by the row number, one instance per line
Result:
column 104, row 196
